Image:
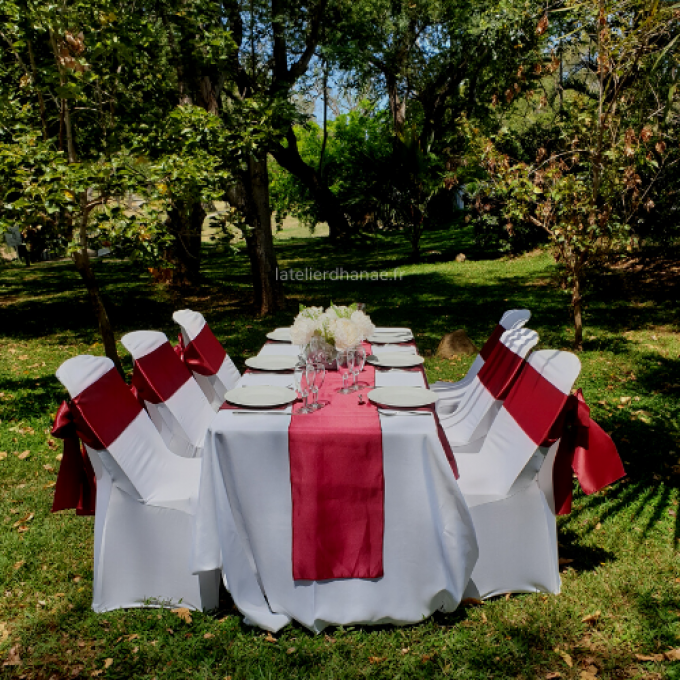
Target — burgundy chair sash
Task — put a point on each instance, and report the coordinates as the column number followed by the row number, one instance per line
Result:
column 501, row 369
column 158, row 375
column 494, row 339
column 204, row 354
column 97, row 417
column 546, row 414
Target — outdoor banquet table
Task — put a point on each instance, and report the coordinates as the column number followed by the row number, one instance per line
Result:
column 244, row 517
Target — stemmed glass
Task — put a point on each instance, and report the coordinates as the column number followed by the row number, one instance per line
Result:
column 359, row 361
column 318, row 384
column 302, row 386
column 344, row 368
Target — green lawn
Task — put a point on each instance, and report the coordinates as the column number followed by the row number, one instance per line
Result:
column 619, row 547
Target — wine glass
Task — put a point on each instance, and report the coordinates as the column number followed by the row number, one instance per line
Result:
column 351, row 363
column 310, row 378
column 359, row 361
column 343, row 368
column 301, row 386
column 318, row 384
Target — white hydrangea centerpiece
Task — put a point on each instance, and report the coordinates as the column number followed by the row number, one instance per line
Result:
column 340, row 326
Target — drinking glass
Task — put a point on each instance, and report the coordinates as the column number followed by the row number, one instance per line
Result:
column 310, row 378
column 301, row 386
column 343, row 368
column 351, row 363
column 318, row 384
column 359, row 361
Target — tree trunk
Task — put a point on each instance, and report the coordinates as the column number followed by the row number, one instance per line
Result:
column 330, row 208
column 576, row 303
column 185, row 223
column 82, row 261
column 267, row 287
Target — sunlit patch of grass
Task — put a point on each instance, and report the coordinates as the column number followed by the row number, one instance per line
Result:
column 623, row 543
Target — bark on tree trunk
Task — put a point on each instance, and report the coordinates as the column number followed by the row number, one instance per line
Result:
column 330, row 208
column 185, row 223
column 267, row 287
column 82, row 261
column 576, row 302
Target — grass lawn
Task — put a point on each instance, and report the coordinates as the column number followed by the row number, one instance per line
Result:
column 619, row 612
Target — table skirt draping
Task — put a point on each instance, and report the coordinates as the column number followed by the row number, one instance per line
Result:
column 244, row 522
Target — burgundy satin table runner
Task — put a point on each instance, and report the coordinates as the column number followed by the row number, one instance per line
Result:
column 337, row 486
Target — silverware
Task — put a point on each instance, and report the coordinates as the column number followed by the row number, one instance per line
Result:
column 385, row 412
column 259, row 412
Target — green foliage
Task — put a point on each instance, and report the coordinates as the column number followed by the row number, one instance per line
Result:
column 623, row 543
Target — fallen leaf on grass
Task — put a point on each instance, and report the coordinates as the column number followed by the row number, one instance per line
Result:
column 552, row 676
column 13, row 657
column 564, row 560
column 208, row 636
column 376, row 659
column 405, row 650
column 19, row 564
column 649, row 657
column 3, row 454
column 48, row 467
column 591, row 618
column 22, row 529
column 470, row 601
column 183, row 613
column 626, row 400
column 290, row 650
column 673, row 654
column 566, row 658
column 484, row 619
column 270, row 638
column 24, row 454
column 585, row 675
column 132, row 637
column 4, row 633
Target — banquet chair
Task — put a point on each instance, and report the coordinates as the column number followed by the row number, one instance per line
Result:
column 146, row 497
column 203, row 354
column 508, row 483
column 454, row 391
column 166, row 388
column 467, row 425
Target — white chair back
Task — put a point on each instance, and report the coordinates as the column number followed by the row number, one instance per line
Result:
column 483, row 399
column 511, row 320
column 134, row 452
column 211, row 366
column 175, row 402
column 510, row 445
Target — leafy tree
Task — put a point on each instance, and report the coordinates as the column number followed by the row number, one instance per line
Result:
column 74, row 138
column 595, row 181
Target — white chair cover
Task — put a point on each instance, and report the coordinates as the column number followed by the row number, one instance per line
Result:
column 511, row 320
column 216, row 382
column 146, row 499
column 183, row 416
column 471, row 421
column 508, row 487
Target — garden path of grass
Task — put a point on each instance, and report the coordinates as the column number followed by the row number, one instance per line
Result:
column 621, row 544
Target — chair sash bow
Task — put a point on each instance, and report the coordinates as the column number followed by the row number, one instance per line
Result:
column 204, row 354
column 76, row 483
column 546, row 414
column 96, row 417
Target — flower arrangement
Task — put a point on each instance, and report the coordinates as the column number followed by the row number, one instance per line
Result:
column 339, row 325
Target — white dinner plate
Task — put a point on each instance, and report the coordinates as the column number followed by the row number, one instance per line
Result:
column 391, row 338
column 279, row 335
column 260, row 396
column 403, row 397
column 272, row 362
column 394, row 360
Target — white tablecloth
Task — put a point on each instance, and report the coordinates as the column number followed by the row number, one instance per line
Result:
column 243, row 522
